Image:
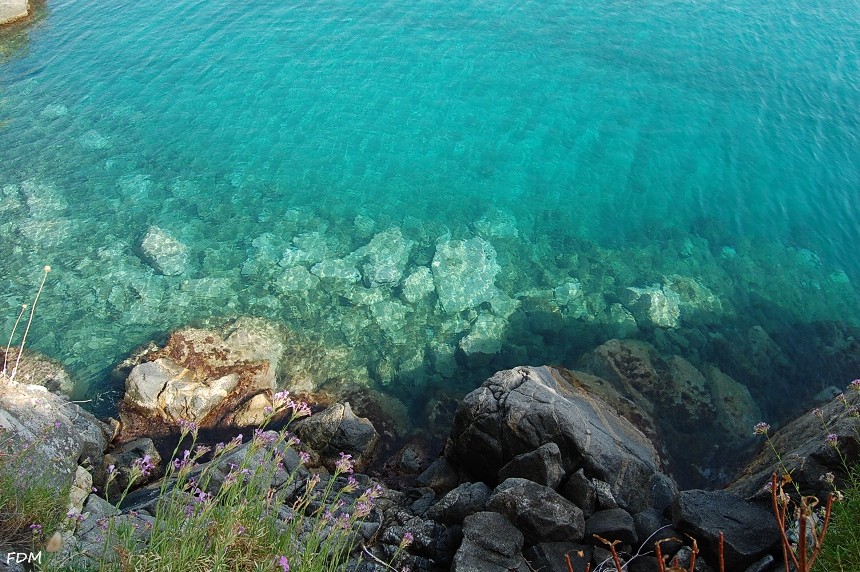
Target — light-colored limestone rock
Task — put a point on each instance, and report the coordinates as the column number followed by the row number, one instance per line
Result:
column 653, row 306
column 387, row 254
column 164, row 253
column 417, row 285
column 336, row 269
column 464, row 272
column 485, row 337
column 11, row 10
column 296, row 279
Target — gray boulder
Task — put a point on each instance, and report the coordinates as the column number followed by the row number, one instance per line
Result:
column 338, row 430
column 518, row 410
column 544, row 466
column 56, row 435
column 463, row 501
column 750, row 531
column 539, row 512
column 490, row 544
column 612, row 524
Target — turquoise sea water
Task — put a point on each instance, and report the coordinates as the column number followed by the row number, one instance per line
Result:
column 706, row 153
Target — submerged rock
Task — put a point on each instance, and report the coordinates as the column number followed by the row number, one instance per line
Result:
column 653, row 306
column 164, row 253
column 464, row 272
column 485, row 335
column 417, row 285
column 387, row 254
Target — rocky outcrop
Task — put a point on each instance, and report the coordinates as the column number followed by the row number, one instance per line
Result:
column 517, row 411
column 56, row 435
column 811, row 446
column 212, row 378
column 11, row 10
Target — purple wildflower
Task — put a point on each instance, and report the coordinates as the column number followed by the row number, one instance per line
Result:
column 304, row 457
column 284, row 563
column 832, row 439
column 855, row 385
column 362, row 509
column 407, row 540
column 344, row 464
column 761, row 428
column 186, row 427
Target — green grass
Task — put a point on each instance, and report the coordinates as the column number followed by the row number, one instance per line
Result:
column 842, row 547
column 226, row 515
column 30, row 511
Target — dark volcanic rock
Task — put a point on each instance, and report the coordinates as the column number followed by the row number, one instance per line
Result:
column 544, row 466
column 804, row 450
column 612, row 524
column 518, row 410
column 439, row 476
column 750, row 530
column 490, row 544
column 338, row 430
column 550, row 556
column 580, row 490
column 465, row 500
column 538, row 511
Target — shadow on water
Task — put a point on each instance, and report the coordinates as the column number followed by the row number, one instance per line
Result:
column 787, row 365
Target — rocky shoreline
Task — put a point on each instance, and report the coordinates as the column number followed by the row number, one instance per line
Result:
column 13, row 10
column 535, row 463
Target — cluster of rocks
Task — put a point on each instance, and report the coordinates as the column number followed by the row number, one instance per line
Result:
column 539, row 463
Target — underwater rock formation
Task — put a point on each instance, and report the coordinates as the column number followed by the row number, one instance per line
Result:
column 464, row 272
column 164, row 253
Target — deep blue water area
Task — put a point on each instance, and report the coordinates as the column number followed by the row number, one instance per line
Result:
column 426, row 192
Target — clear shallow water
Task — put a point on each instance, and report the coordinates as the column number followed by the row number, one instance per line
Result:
column 593, row 147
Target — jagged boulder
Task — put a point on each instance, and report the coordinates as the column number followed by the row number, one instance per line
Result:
column 539, row 512
column 490, row 544
column 463, row 501
column 338, row 430
column 517, row 411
